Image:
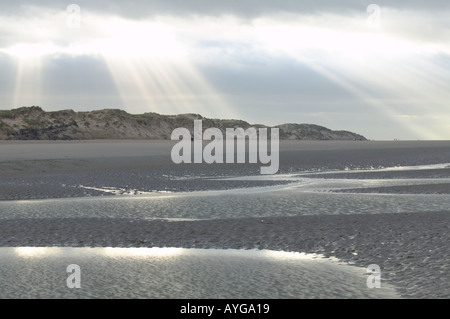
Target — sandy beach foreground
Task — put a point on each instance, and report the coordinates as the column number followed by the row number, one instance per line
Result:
column 384, row 203
column 411, row 248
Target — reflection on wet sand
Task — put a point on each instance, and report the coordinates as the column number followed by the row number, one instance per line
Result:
column 179, row 273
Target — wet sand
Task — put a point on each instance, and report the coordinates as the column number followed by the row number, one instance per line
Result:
column 55, row 169
column 401, row 223
column 411, row 248
column 180, row 273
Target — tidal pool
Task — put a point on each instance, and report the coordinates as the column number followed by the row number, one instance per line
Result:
column 57, row 272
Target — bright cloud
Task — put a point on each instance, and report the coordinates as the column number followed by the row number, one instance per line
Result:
column 279, row 62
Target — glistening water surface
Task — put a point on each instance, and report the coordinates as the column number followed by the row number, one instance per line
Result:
column 302, row 196
column 42, row 272
column 364, row 202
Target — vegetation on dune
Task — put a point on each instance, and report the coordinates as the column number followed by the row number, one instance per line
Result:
column 34, row 123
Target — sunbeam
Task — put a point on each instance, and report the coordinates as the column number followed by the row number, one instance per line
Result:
column 28, row 84
column 387, row 75
column 229, row 66
column 150, row 68
column 152, row 72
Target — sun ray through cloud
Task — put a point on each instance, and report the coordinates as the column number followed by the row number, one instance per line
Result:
column 168, row 62
column 150, row 79
column 28, row 86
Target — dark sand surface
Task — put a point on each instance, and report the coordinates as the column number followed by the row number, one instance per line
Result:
column 411, row 247
column 54, row 169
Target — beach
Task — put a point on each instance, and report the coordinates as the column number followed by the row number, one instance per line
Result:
column 352, row 203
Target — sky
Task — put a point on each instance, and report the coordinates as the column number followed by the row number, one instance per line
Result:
column 380, row 69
